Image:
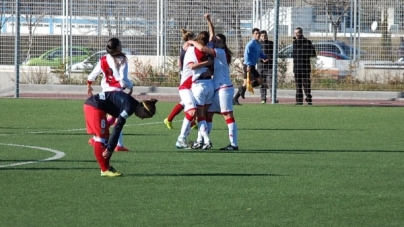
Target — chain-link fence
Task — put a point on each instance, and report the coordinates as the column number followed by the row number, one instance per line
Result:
column 357, row 41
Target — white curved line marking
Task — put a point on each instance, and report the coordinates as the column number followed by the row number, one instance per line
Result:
column 58, row 154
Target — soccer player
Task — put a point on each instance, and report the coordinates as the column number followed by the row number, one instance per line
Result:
column 117, row 104
column 114, row 67
column 194, row 91
column 224, row 90
column 179, row 107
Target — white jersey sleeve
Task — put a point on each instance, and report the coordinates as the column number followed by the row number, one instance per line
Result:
column 123, row 75
column 96, row 72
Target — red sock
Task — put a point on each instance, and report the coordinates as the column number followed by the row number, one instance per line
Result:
column 175, row 111
column 98, row 149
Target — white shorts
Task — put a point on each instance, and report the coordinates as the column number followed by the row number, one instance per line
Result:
column 222, row 101
column 187, row 99
column 203, row 92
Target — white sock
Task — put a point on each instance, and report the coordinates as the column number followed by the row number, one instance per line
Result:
column 203, row 130
column 210, row 126
column 120, row 140
column 185, row 128
column 199, row 138
column 233, row 133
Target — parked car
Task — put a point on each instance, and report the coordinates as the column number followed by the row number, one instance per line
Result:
column 89, row 62
column 333, row 55
column 54, row 57
column 341, row 49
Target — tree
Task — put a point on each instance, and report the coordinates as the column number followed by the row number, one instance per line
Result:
column 226, row 15
column 33, row 14
column 5, row 13
column 386, row 44
column 335, row 11
column 119, row 17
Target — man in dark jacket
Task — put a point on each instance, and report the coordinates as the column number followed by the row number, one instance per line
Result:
column 303, row 50
column 265, row 67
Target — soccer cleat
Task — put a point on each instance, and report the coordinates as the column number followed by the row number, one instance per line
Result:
column 207, row 146
column 169, row 124
column 229, row 148
column 182, row 144
column 91, row 141
column 111, row 172
column 197, row 145
column 263, row 101
column 119, row 148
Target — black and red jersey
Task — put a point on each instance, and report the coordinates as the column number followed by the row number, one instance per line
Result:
column 117, row 104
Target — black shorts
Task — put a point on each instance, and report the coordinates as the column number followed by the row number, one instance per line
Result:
column 253, row 72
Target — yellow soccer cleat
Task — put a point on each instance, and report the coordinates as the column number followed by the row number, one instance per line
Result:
column 111, row 172
column 169, row 124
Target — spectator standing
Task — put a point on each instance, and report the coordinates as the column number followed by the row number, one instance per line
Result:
column 303, row 50
column 265, row 67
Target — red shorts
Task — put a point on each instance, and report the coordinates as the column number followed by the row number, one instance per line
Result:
column 96, row 121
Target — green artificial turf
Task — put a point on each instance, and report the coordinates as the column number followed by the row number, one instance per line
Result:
column 297, row 166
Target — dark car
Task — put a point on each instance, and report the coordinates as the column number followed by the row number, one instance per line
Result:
column 341, row 49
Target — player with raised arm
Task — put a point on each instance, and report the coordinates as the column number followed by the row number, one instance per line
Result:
column 195, row 77
column 224, row 90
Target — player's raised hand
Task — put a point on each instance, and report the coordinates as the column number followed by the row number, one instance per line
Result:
column 207, row 16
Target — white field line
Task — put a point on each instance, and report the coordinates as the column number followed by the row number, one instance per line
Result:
column 58, row 154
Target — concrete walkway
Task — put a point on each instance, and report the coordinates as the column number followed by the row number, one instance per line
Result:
column 171, row 94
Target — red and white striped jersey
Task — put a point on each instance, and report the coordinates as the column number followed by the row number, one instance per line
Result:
column 114, row 78
column 192, row 56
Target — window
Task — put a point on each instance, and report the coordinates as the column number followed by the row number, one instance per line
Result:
column 327, row 47
column 55, row 54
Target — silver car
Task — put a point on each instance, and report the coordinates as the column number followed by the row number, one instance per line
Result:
column 89, row 62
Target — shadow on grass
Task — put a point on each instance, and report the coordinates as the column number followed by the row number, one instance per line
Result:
column 297, row 151
column 317, row 151
column 378, row 104
column 283, row 129
column 48, row 168
column 205, row 175
column 55, row 161
column 85, row 134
